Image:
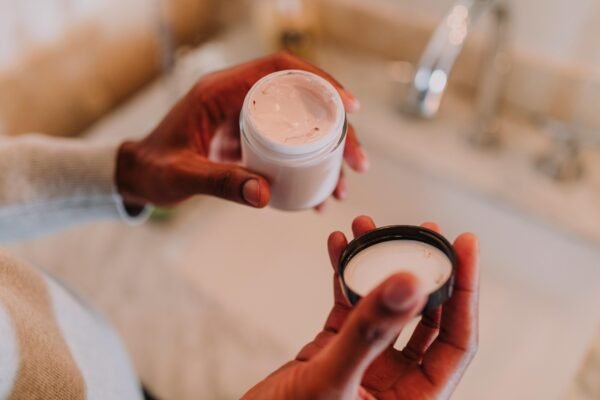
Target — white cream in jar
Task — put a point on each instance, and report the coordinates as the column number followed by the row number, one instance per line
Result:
column 293, row 127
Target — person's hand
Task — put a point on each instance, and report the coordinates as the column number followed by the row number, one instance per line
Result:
column 354, row 358
column 193, row 149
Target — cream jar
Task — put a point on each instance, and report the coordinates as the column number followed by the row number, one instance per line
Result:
column 293, row 131
column 371, row 258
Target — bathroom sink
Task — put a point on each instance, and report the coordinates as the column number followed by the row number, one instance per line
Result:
column 539, row 281
column 270, row 272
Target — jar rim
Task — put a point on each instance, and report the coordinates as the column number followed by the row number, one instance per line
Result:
column 327, row 143
column 401, row 232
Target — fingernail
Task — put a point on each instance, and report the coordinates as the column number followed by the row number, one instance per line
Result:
column 351, row 103
column 354, row 105
column 401, row 293
column 321, row 207
column 363, row 160
column 251, row 192
column 342, row 190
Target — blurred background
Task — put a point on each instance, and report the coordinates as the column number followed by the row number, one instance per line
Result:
column 479, row 114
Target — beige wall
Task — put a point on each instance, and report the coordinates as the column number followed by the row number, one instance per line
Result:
column 554, row 53
column 563, row 31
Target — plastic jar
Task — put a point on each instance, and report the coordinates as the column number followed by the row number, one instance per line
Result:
column 293, row 131
column 371, row 258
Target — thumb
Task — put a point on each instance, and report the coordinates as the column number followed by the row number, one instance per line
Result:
column 370, row 329
column 230, row 182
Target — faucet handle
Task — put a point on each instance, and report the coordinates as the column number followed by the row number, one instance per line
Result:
column 563, row 162
column 496, row 69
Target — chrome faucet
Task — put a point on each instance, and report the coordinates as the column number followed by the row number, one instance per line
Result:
column 431, row 74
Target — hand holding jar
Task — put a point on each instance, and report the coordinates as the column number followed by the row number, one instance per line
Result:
column 195, row 148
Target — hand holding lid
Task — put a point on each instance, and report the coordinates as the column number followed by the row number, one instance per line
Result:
column 353, row 357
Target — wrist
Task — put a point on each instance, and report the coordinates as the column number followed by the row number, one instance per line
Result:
column 127, row 177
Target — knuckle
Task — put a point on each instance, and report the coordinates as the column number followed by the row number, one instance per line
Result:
column 412, row 353
column 369, row 331
column 222, row 182
column 283, row 55
column 470, row 350
column 169, row 173
column 284, row 59
column 430, row 323
column 198, row 90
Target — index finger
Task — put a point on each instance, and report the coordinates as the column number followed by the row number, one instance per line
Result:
column 454, row 348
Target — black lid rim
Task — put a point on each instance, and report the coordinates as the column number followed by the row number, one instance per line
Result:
column 401, row 232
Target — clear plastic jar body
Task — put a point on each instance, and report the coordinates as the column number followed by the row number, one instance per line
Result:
column 301, row 177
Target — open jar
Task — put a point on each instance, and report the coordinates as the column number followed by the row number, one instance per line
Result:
column 293, row 131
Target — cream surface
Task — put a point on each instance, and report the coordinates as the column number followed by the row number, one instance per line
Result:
column 373, row 265
column 293, row 109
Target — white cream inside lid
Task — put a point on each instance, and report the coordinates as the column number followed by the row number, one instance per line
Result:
column 370, row 267
column 294, row 108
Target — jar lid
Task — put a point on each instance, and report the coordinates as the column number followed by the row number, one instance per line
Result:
column 370, row 258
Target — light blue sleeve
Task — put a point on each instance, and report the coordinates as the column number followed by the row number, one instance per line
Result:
column 47, row 184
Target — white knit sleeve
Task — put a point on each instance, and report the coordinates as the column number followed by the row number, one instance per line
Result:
column 50, row 183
